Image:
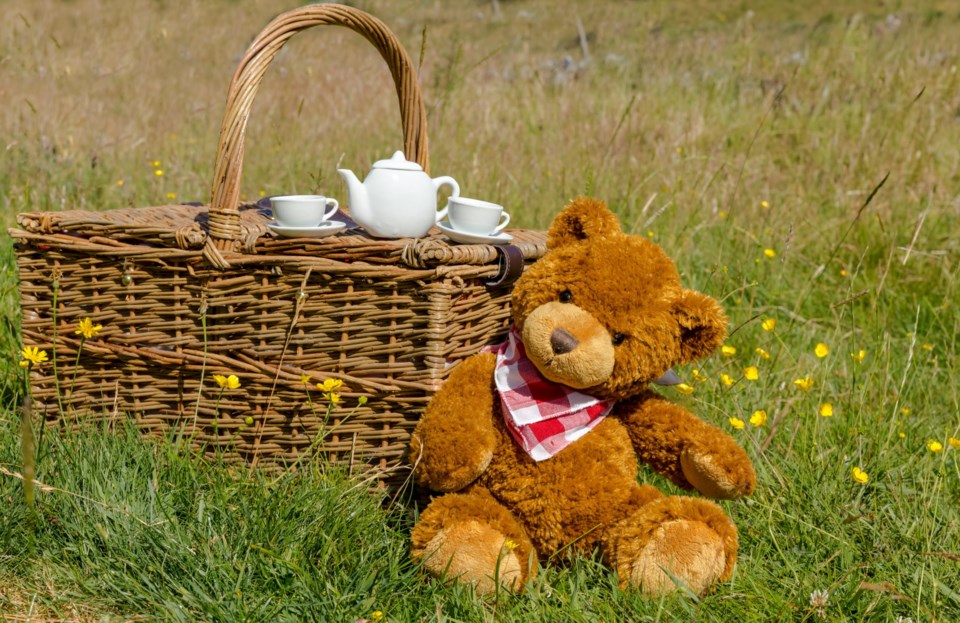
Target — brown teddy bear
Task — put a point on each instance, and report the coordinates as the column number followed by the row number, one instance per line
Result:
column 536, row 446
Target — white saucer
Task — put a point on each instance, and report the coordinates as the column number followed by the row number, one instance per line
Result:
column 326, row 228
column 462, row 236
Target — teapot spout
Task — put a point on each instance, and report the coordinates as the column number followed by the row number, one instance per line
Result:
column 356, row 197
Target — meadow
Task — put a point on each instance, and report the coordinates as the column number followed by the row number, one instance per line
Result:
column 799, row 161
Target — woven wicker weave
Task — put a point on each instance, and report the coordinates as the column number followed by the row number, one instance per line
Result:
column 185, row 293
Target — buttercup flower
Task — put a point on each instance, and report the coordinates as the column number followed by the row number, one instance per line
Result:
column 764, row 204
column 751, row 373
column 699, row 376
column 902, row 435
column 376, row 616
column 683, row 388
column 510, row 544
column 927, row 346
column 759, row 417
column 821, row 350
column 770, row 253
column 736, row 422
column 859, row 475
column 934, row 446
column 763, row 354
column 826, row 409
column 804, row 384
column 859, row 355
column 728, row 351
column 726, row 379
column 769, row 324
column 32, row 355
column 87, row 329
column 330, row 385
column 305, row 379
column 905, row 410
column 954, row 442
column 227, row 382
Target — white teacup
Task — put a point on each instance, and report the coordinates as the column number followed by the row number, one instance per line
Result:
column 302, row 210
column 474, row 216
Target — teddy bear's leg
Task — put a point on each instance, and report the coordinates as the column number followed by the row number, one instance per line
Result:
column 673, row 541
column 472, row 538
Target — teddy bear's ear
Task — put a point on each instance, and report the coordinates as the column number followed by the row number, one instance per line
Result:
column 582, row 218
column 703, row 325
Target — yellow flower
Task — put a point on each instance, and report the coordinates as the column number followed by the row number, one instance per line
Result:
column 826, row 409
column 699, row 376
column 770, row 253
column 728, row 351
column 804, row 384
column 87, row 329
column 330, row 385
column 954, row 442
column 902, row 435
column 764, row 204
column 821, row 350
column 759, row 417
column 736, row 422
column 726, row 380
column 905, row 410
column 859, row 475
column 763, row 354
column 156, row 164
column 305, row 379
column 510, row 544
column 859, row 355
column 650, row 234
column 171, row 195
column 32, row 355
column 333, row 397
column 119, row 182
column 769, row 324
column 934, row 445
column 158, row 172
column 843, row 272
column 683, row 388
column 227, row 382
column 751, row 373
column 927, row 346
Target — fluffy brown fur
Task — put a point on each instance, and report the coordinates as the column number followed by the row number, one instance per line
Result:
column 602, row 312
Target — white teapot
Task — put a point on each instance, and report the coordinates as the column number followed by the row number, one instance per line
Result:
column 397, row 199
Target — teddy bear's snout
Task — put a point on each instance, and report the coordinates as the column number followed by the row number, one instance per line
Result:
column 561, row 341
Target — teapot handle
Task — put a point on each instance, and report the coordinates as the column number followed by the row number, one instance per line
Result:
column 225, row 231
column 446, row 180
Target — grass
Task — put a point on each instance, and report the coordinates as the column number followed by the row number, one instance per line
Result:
column 824, row 132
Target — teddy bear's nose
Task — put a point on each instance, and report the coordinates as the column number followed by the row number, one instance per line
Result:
column 562, row 342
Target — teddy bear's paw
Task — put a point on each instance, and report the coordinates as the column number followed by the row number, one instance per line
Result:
column 672, row 542
column 476, row 553
column 722, row 476
column 679, row 553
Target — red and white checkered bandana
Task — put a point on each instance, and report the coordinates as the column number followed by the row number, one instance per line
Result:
column 544, row 417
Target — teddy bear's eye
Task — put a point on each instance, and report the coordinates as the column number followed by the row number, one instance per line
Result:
column 618, row 339
column 566, row 296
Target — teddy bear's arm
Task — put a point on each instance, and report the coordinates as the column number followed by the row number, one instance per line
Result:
column 455, row 439
column 688, row 451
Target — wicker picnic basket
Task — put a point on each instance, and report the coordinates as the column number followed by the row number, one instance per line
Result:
column 184, row 293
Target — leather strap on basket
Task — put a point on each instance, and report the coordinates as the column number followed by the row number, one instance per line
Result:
column 510, row 260
column 224, row 225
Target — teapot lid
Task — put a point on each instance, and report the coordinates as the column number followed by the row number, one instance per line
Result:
column 397, row 161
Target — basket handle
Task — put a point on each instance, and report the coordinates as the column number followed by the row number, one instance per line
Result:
column 224, row 225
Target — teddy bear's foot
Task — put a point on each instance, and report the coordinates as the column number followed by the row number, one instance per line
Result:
column 472, row 538
column 673, row 542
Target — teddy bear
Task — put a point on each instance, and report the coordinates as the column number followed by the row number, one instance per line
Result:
column 534, row 447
